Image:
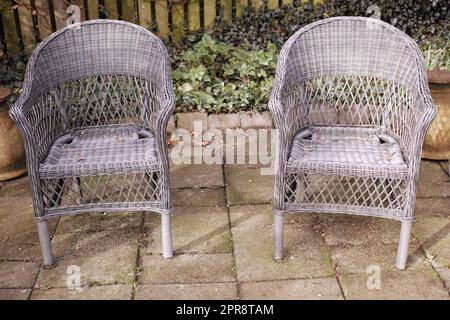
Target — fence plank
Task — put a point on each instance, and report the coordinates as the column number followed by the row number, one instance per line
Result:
column 162, row 18
column 210, row 12
column 9, row 27
column 194, row 15
column 43, row 18
column 92, row 9
column 128, row 11
column 177, row 20
column 227, row 10
column 111, row 9
column 145, row 13
column 80, row 3
column 272, row 4
column 240, row 5
column 257, row 3
column 26, row 25
column 60, row 13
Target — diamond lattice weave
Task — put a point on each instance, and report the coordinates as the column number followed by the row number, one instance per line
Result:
column 100, row 150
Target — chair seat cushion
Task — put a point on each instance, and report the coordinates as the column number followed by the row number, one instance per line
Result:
column 341, row 150
column 100, row 150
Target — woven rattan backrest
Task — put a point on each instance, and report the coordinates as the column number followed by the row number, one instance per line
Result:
column 356, row 71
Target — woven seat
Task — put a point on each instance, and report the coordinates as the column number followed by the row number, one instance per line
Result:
column 93, row 111
column 352, row 105
column 101, row 150
column 346, row 151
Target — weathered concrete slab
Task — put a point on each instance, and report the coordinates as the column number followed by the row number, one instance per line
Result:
column 349, row 258
column 18, row 275
column 305, row 252
column 204, row 197
column 433, row 181
column 444, row 274
column 196, row 175
column 187, row 268
column 434, row 235
column 395, row 285
column 107, row 257
column 246, row 185
column 347, row 229
column 14, row 294
column 304, row 289
column 433, row 207
column 108, row 292
column 97, row 222
column 210, row 291
column 194, row 229
column 21, row 240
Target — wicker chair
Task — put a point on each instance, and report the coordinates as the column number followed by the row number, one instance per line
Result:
column 94, row 109
column 352, row 105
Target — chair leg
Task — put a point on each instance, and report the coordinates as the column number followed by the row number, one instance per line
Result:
column 166, row 227
column 278, row 235
column 403, row 244
column 46, row 245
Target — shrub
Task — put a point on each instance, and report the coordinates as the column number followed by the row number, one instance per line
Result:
column 216, row 77
column 424, row 20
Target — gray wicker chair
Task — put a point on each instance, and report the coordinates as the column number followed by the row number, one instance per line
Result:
column 94, row 109
column 352, row 105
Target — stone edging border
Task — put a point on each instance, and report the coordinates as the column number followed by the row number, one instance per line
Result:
column 220, row 121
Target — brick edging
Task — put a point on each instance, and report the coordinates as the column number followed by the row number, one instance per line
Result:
column 221, row 121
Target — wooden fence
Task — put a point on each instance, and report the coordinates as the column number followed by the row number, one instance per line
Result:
column 23, row 23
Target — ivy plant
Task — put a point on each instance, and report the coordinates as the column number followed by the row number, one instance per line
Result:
column 217, row 77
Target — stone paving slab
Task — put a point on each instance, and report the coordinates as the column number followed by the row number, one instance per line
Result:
column 19, row 187
column 409, row 284
column 187, row 269
column 304, row 289
column 305, row 255
column 15, row 211
column 348, row 229
column 433, row 181
column 108, row 292
column 434, row 234
column 433, row 207
column 14, row 294
column 194, row 229
column 207, row 263
column 18, row 231
column 444, row 274
column 208, row 197
column 18, row 275
column 246, row 185
column 22, row 240
column 197, row 175
column 210, row 291
column 97, row 222
column 107, row 257
column 358, row 258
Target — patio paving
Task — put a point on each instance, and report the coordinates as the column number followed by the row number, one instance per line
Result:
column 222, row 236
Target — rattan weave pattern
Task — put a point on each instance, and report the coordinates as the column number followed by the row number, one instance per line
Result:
column 352, row 105
column 94, row 108
column 87, row 79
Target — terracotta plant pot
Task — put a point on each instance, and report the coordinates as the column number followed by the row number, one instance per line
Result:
column 12, row 153
column 437, row 141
